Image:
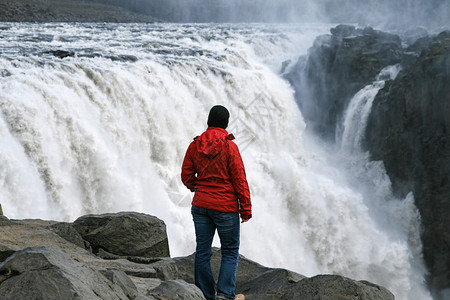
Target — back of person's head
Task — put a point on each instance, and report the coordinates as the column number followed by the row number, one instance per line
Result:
column 218, row 117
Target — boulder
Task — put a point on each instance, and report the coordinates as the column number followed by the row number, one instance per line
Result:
column 282, row 284
column 272, row 284
column 49, row 273
column 125, row 233
column 67, row 232
column 176, row 290
column 17, row 235
column 332, row 287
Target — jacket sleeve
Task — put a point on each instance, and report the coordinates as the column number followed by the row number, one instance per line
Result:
column 188, row 172
column 239, row 180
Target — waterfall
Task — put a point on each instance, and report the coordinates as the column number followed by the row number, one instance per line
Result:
column 106, row 128
column 355, row 119
column 397, row 217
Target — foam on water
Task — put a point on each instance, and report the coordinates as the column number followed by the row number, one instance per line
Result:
column 93, row 133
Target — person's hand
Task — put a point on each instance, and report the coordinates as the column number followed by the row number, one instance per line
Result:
column 245, row 220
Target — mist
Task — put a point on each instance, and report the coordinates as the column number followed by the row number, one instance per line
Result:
column 388, row 14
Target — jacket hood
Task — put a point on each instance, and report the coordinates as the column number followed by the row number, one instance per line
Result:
column 212, row 141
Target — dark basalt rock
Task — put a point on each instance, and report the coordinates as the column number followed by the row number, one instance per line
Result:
column 409, row 130
column 127, row 233
column 271, row 284
column 67, row 232
column 408, row 127
column 177, row 289
column 37, row 263
column 257, row 282
column 338, row 66
column 48, row 273
column 331, row 287
column 247, row 269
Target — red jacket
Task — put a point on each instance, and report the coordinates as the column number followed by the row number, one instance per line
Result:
column 213, row 168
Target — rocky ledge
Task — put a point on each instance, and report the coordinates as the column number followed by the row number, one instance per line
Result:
column 126, row 256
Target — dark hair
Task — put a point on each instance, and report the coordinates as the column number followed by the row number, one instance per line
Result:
column 218, row 117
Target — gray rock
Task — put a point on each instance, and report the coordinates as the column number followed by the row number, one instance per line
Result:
column 63, row 270
column 5, row 252
column 46, row 273
column 282, row 284
column 125, row 233
column 166, row 269
column 44, row 284
column 17, row 235
column 118, row 277
column 130, row 268
column 261, row 283
column 67, row 232
column 142, row 297
column 163, row 268
column 5, row 221
column 332, row 287
column 176, row 290
column 144, row 285
column 247, row 269
column 272, row 284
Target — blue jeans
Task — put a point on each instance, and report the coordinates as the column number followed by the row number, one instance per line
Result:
column 206, row 222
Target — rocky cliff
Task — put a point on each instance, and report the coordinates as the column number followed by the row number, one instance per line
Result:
column 338, row 66
column 409, row 130
column 126, row 256
column 408, row 126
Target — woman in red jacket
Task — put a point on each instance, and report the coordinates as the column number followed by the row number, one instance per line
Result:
column 213, row 169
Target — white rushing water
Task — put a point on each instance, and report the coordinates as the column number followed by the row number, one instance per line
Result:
column 106, row 129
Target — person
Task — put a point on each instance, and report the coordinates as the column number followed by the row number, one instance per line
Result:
column 213, row 169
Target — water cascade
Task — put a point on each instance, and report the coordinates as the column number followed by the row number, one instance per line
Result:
column 105, row 129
